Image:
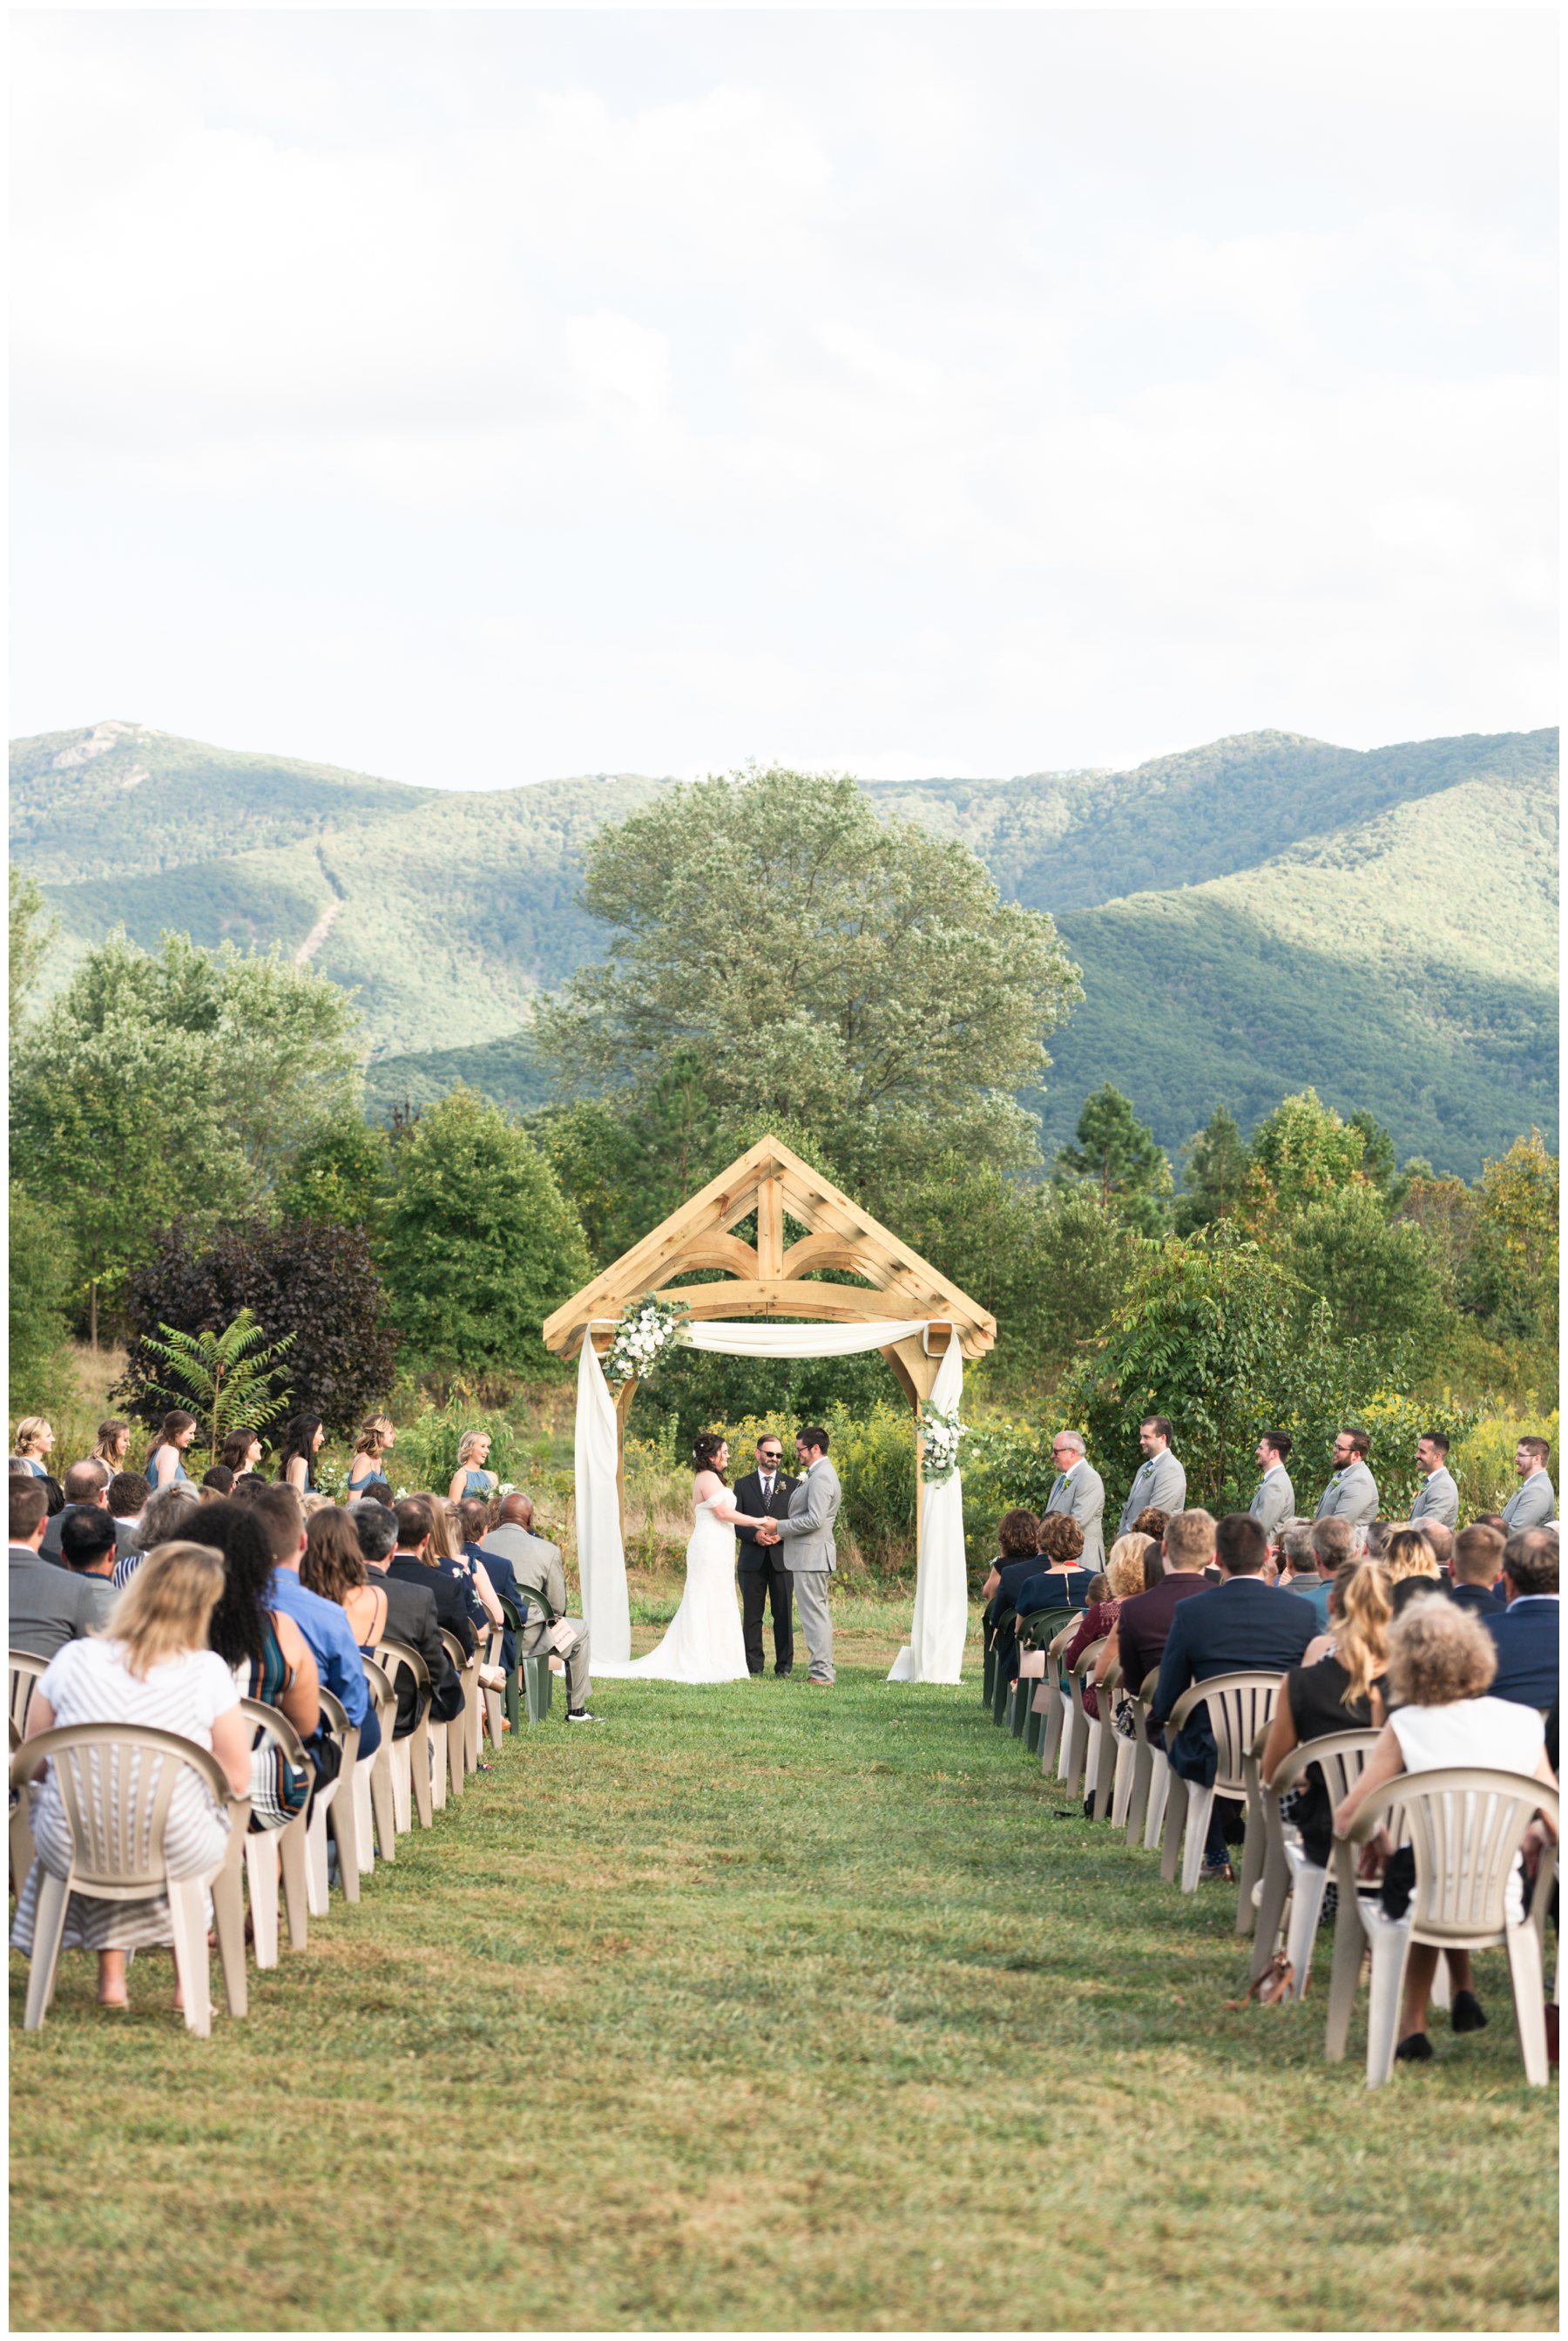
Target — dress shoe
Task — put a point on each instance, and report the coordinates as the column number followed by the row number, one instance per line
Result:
column 1467, row 2014
column 1416, row 2048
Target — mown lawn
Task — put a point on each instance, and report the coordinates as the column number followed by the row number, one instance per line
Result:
column 765, row 2006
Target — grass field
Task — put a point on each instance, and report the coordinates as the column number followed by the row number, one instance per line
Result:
column 766, row 2006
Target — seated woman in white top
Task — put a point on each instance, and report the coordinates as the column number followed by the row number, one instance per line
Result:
column 1440, row 1662
column 154, row 1668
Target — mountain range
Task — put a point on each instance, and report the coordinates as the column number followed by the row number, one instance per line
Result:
column 1250, row 917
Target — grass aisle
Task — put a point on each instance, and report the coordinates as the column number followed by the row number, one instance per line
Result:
column 767, row 2007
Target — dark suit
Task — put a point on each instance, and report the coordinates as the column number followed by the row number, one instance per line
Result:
column 498, row 1569
column 1526, row 1634
column 764, row 1574
column 124, row 1534
column 1001, row 1618
column 412, row 1618
column 1479, row 1600
column 442, row 1586
column 1241, row 1626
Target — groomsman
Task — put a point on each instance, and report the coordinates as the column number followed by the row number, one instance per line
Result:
column 1273, row 1499
column 765, row 1493
column 1437, row 1497
column 1532, row 1504
column 1080, row 1492
column 1161, row 1482
column 1352, row 1493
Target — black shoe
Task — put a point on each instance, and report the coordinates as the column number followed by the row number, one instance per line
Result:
column 1467, row 2014
column 1416, row 2048
column 756, row 1673
column 580, row 1715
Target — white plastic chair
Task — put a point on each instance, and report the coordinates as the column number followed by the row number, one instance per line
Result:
column 455, row 1741
column 325, row 1803
column 1059, row 1707
column 375, row 1815
column 1240, row 1707
column 268, row 1851
column 1287, row 1874
column 1083, row 1727
column 26, row 1669
column 21, row 1845
column 1465, row 1826
column 411, row 1757
column 1136, row 1816
column 116, row 1782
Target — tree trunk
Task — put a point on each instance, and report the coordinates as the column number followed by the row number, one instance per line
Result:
column 93, row 1312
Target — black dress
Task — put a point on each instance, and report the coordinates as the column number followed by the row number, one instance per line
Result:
column 1318, row 1707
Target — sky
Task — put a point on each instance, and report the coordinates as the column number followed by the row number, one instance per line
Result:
column 476, row 398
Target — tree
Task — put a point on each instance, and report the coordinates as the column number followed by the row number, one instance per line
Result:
column 1212, row 1335
column 1215, row 1173
column 231, row 1379
column 479, row 1244
column 811, row 957
column 195, row 1074
column 1118, row 1155
column 40, row 1288
column 32, row 932
column 1511, row 1274
column 1299, row 1152
column 339, row 1172
column 311, row 1282
column 1380, row 1277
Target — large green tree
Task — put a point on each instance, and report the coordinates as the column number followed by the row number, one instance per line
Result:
column 31, row 930
column 820, row 965
column 1215, row 1172
column 477, row 1244
column 1380, row 1277
column 1118, row 1156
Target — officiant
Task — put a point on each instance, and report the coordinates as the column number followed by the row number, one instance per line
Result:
column 765, row 1493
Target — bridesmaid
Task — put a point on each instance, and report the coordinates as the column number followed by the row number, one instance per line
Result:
column 35, row 1437
column 470, row 1477
column 302, row 1440
column 166, row 1463
column 114, row 1445
column 375, row 1439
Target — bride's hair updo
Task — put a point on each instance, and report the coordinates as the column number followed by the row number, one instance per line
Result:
column 705, row 1448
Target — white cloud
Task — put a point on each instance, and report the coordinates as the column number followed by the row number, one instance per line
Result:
column 914, row 394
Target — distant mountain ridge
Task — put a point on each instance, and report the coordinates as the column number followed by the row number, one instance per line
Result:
column 1250, row 916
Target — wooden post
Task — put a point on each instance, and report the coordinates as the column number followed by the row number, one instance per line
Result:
column 770, row 1230
column 623, row 1398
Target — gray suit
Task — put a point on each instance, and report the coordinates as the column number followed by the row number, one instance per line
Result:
column 1438, row 1499
column 1081, row 1494
column 1531, row 1505
column 810, row 1554
column 1160, row 1485
column 1351, row 1495
column 51, row 1606
column 124, row 1534
column 1273, row 1500
column 537, row 1567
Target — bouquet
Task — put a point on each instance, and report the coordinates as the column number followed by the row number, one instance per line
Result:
column 941, row 1435
column 644, row 1336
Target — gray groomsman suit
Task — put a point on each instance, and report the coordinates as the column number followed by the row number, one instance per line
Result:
column 810, row 1554
column 1351, row 1495
column 1081, row 1494
column 1272, row 1500
column 1530, row 1505
column 1438, row 1499
column 1160, row 1486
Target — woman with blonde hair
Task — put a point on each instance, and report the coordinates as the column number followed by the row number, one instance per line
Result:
column 1411, row 1565
column 35, row 1437
column 151, row 1667
column 1342, row 1690
column 470, row 1477
column 1124, row 1578
column 1441, row 1664
column 376, row 1438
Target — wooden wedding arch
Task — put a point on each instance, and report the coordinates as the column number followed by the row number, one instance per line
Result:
column 768, row 1279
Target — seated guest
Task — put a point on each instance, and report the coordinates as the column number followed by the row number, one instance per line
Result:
column 1124, row 1578
column 537, row 1567
column 271, row 1658
column 87, row 1550
column 1478, row 1567
column 50, row 1605
column 1343, row 1690
column 411, row 1618
column 54, row 1494
column 1525, row 1633
column 446, row 1552
column 152, row 1668
column 1151, row 1523
column 218, row 1481
column 417, row 1562
column 474, row 1518
column 248, row 1486
column 1440, row 1537
column 1331, row 1543
column 1241, row 1626
column 86, row 1483
column 1061, row 1583
column 1017, row 1559
column 319, row 1618
column 1441, row 1665
column 128, row 1493
column 1412, row 1567
column 1139, row 1638
column 374, row 1491
column 164, row 1518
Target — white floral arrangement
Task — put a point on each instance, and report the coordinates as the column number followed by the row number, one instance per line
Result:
column 643, row 1338
column 941, row 1436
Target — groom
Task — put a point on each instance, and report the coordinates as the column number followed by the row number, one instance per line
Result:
column 764, row 1574
column 810, row 1554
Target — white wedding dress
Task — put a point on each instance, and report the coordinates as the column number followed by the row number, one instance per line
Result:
column 704, row 1642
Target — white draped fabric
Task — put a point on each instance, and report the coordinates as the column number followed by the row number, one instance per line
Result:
column 936, row 1648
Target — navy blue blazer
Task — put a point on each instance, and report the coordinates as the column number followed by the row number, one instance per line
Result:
column 498, row 1569
column 1479, row 1600
column 1526, row 1638
column 1237, row 1627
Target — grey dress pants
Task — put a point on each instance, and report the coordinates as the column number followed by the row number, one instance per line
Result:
column 815, row 1621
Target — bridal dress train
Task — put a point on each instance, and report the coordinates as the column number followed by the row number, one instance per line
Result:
column 704, row 1642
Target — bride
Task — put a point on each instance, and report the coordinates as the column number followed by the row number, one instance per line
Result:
column 704, row 1642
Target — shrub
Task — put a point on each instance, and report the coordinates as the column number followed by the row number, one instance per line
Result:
column 425, row 1452
column 310, row 1279
column 1482, row 1461
column 1394, row 1424
column 41, row 1277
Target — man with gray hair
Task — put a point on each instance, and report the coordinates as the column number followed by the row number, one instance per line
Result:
column 536, row 1565
column 162, row 1516
column 1080, row 1492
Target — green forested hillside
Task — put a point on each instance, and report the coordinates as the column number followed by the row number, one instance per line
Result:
column 1251, row 916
